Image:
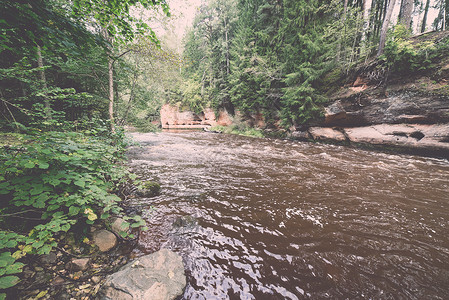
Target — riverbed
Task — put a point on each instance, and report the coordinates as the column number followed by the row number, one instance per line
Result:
column 276, row 219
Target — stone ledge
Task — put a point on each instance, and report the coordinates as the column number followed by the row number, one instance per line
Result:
column 427, row 140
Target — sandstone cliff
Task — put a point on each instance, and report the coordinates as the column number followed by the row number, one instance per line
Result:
column 402, row 111
column 172, row 117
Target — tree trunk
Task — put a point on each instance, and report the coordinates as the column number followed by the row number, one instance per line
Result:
column 227, row 50
column 40, row 64
column 131, row 96
column 385, row 24
column 111, row 92
column 424, row 20
column 342, row 33
column 366, row 5
column 446, row 15
column 110, row 80
column 405, row 15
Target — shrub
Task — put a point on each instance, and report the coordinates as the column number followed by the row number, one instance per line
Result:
column 50, row 183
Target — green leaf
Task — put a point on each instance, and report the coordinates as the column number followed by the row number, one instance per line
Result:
column 43, row 165
column 6, row 259
column 38, row 244
column 14, row 269
column 11, row 244
column 74, row 210
column 29, row 165
column 54, row 181
column 2, row 296
column 45, row 249
column 8, row 281
column 53, row 207
column 37, row 189
column 80, row 183
column 65, row 227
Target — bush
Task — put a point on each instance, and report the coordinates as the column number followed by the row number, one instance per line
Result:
column 240, row 129
column 50, row 183
column 404, row 55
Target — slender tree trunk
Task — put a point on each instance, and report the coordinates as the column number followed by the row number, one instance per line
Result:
column 40, row 64
column 385, row 24
column 424, row 21
column 446, row 15
column 111, row 92
column 110, row 80
column 366, row 5
column 227, row 48
column 405, row 15
column 131, row 95
column 342, row 33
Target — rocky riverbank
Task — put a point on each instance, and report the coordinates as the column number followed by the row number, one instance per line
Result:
column 99, row 264
column 406, row 113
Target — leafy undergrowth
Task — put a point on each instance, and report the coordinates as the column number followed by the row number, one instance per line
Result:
column 52, row 184
column 240, row 129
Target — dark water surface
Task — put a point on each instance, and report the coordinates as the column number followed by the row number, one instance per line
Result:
column 273, row 219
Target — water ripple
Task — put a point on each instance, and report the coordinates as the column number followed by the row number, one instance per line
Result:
column 274, row 219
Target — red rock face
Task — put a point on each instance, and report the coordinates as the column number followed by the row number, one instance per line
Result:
column 223, row 118
column 172, row 117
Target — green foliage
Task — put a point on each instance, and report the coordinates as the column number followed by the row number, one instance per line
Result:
column 239, row 129
column 404, row 55
column 55, row 181
column 117, row 18
column 278, row 51
column 8, row 262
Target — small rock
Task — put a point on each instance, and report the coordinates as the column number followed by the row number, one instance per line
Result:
column 80, row 264
column 118, row 225
column 84, row 286
column 57, row 281
column 96, row 279
column 104, row 240
column 38, row 269
column 185, row 221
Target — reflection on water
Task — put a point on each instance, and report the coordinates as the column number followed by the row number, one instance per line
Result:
column 276, row 219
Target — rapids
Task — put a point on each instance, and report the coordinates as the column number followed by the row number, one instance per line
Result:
column 276, row 219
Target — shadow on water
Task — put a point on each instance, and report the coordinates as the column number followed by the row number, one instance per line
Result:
column 274, row 219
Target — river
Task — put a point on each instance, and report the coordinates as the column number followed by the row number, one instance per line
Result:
column 275, row 219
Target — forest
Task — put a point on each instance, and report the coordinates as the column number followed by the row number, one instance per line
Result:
column 281, row 58
column 74, row 73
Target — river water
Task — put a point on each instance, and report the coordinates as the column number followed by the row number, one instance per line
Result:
column 275, row 219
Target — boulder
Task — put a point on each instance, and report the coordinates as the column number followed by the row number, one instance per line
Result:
column 104, row 240
column 185, row 221
column 326, row 133
column 300, row 135
column 150, row 189
column 157, row 276
column 334, row 112
column 49, row 259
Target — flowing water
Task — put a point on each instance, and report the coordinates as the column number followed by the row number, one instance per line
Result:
column 274, row 219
